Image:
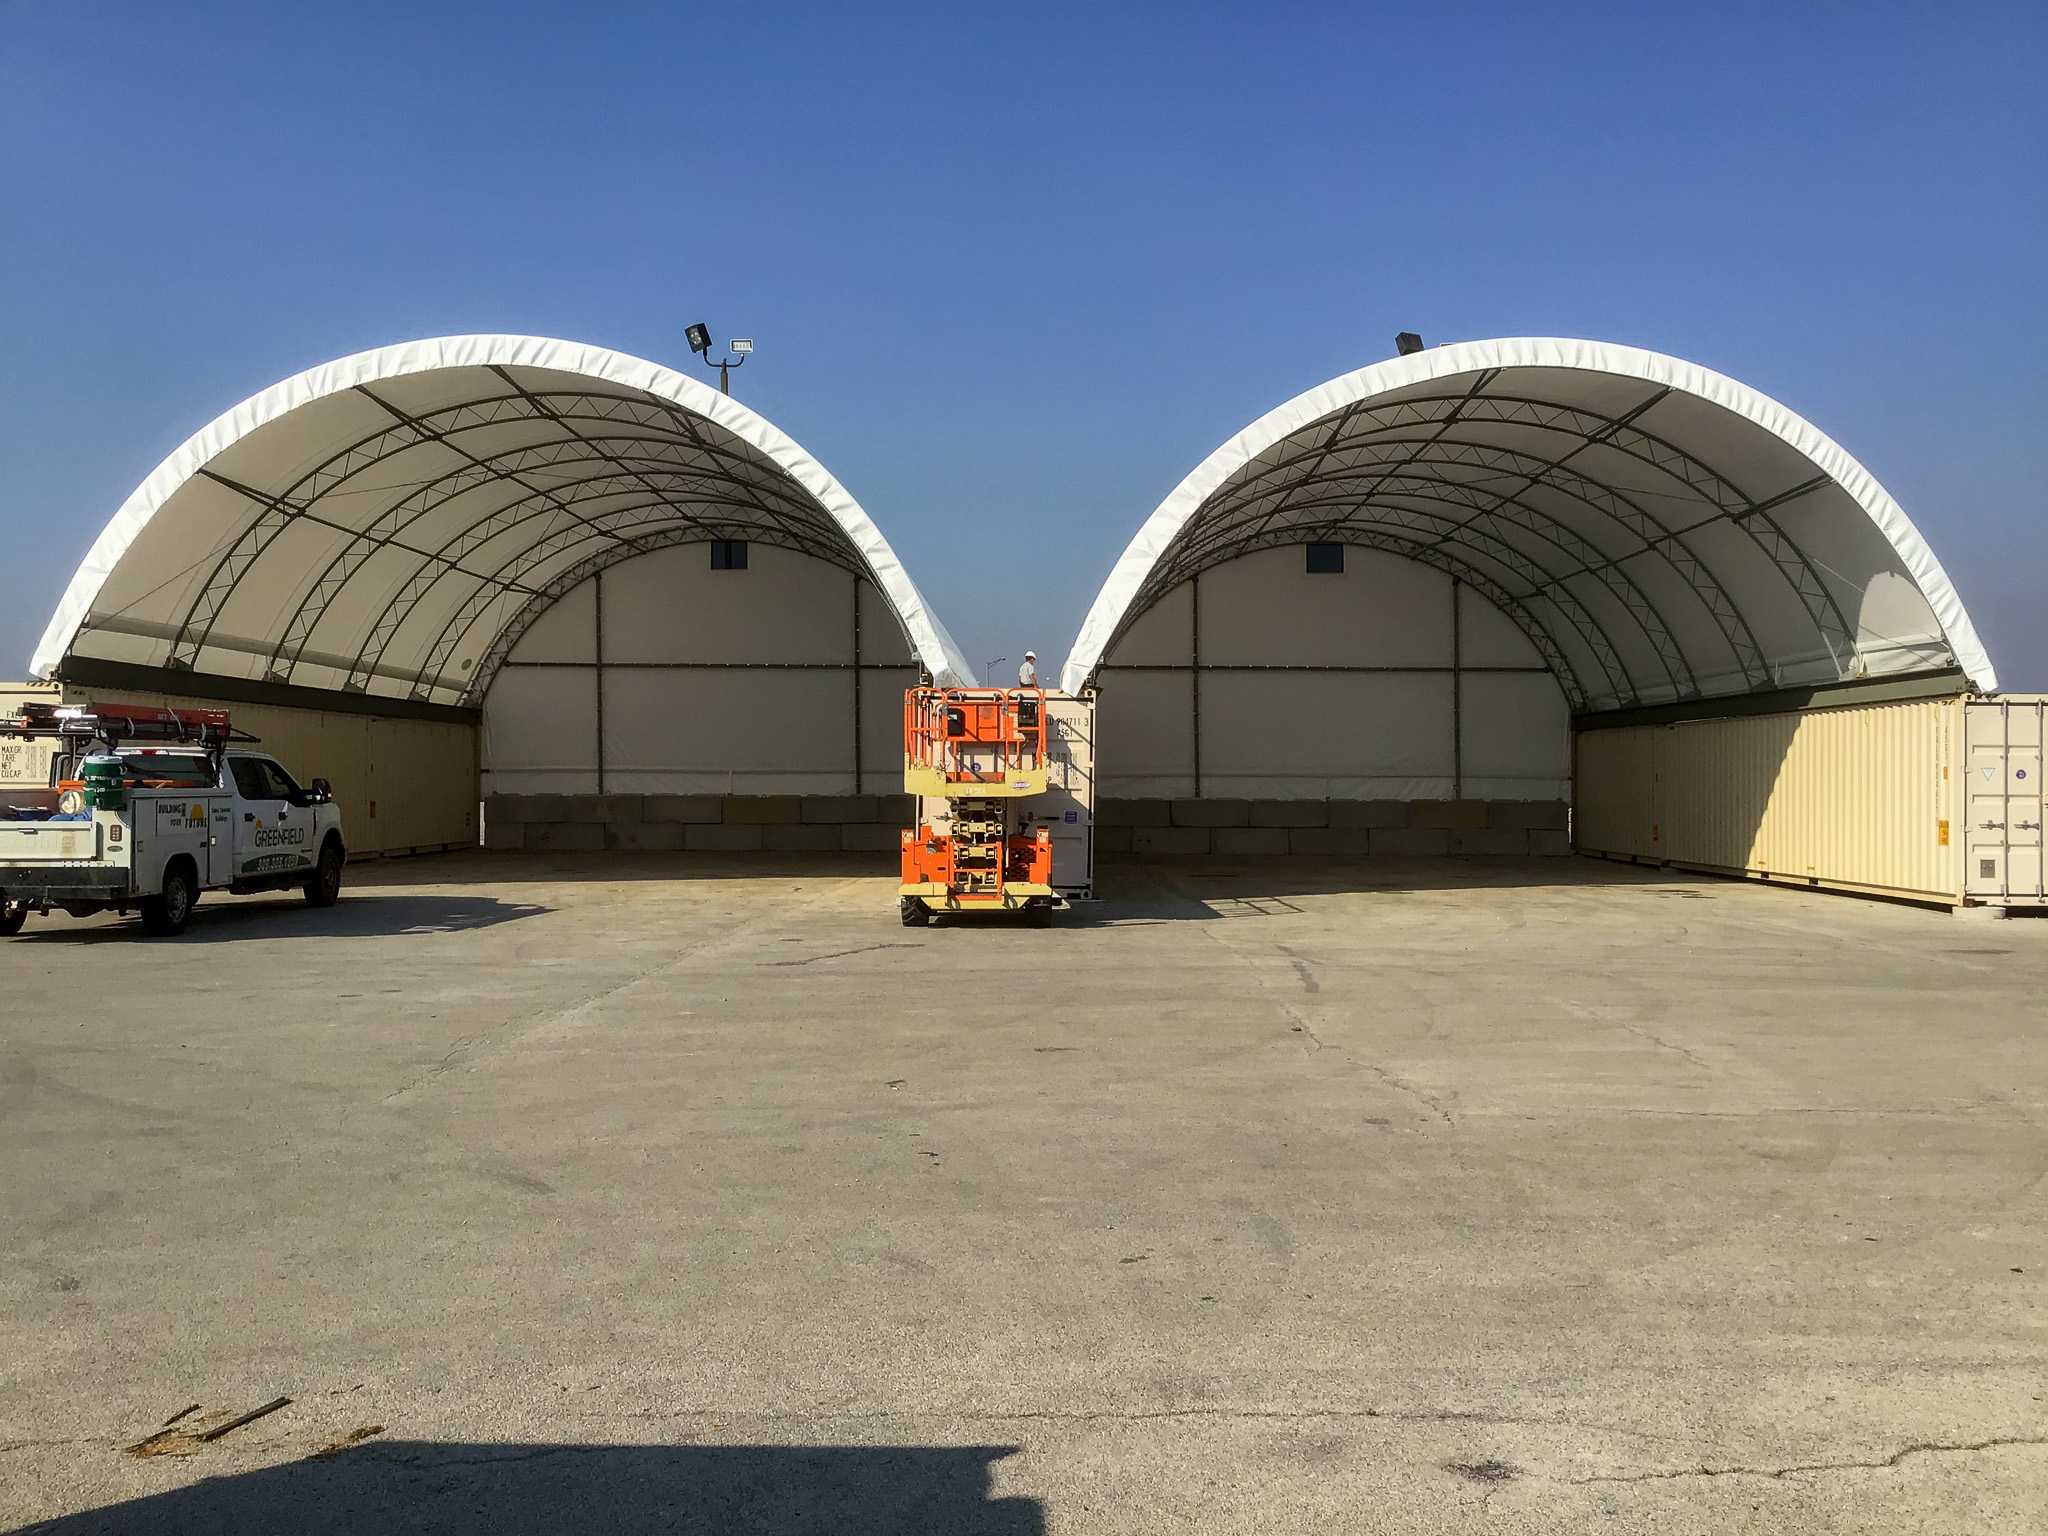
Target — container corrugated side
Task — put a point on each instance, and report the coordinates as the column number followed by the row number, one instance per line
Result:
column 1857, row 798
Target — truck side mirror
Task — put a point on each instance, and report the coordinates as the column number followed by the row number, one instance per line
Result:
column 322, row 791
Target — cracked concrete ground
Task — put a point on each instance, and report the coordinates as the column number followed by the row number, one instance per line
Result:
column 653, row 1194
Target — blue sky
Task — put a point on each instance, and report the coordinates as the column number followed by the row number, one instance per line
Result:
column 1015, row 270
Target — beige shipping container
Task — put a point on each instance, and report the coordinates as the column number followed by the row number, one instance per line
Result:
column 403, row 786
column 26, row 764
column 1935, row 800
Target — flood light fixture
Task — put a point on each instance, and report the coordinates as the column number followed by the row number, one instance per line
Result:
column 1408, row 343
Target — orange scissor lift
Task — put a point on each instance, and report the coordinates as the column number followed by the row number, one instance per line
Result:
column 971, row 756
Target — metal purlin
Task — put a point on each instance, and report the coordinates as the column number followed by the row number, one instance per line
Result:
column 510, row 464
column 300, row 500
column 1210, row 538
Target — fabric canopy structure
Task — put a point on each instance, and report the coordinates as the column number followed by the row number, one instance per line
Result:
column 1660, row 532
column 392, row 523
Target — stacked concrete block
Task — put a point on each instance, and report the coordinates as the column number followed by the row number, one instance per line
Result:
column 708, row 823
column 1347, row 829
column 1249, row 842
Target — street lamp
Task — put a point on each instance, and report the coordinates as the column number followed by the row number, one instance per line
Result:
column 988, row 672
column 699, row 338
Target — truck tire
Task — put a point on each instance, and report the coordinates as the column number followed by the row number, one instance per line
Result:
column 11, row 919
column 914, row 912
column 167, row 912
column 323, row 886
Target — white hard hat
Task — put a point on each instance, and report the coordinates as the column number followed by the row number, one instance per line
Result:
column 1031, row 655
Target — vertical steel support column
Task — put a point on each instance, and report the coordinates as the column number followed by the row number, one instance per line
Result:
column 1195, row 672
column 857, row 789
column 1457, row 694
column 597, row 669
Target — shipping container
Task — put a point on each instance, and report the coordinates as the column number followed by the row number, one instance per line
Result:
column 1936, row 800
column 404, row 786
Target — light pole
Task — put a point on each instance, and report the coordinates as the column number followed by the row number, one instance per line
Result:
column 988, row 672
column 699, row 337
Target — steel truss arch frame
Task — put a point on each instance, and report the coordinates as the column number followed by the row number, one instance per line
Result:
column 410, row 432
column 1257, row 463
column 1392, row 487
column 1597, row 427
column 329, row 584
column 696, row 429
column 503, row 519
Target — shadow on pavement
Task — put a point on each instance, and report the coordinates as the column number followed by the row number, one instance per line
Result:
column 359, row 914
column 583, row 1490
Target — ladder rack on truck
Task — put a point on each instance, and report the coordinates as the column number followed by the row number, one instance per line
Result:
column 121, row 826
column 1004, row 779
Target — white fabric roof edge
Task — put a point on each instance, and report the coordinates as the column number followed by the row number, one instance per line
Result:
column 936, row 648
column 1186, row 499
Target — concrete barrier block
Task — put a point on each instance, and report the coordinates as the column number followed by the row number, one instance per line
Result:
column 762, row 810
column 527, row 807
column 800, row 839
column 1290, row 813
column 1212, row 813
column 1134, row 813
column 1112, row 839
column 837, row 810
column 896, row 810
column 870, row 837
column 1169, row 841
column 565, row 837
column 1330, row 842
column 1368, row 813
column 1546, row 844
column 682, row 808
column 1548, row 815
column 602, row 808
column 717, row 837
column 1413, row 842
column 1446, row 813
column 644, row 836
column 1249, row 842
column 1492, row 841
column 503, row 836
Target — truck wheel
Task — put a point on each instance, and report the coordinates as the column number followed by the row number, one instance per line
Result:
column 323, row 886
column 11, row 919
column 915, row 913
column 168, row 912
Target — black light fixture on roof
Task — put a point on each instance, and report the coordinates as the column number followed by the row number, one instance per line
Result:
column 699, row 338
column 1408, row 343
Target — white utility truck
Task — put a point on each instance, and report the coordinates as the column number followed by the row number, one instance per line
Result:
column 123, row 826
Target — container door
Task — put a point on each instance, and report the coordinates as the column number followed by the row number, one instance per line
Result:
column 2002, row 852
column 1068, row 805
column 2023, row 799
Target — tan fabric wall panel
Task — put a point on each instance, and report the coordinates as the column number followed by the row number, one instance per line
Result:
column 1381, row 610
column 540, row 731
column 1517, row 737
column 1318, row 736
column 1146, row 735
column 734, row 733
column 1351, row 731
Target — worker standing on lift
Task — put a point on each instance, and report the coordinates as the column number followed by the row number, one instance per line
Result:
column 1027, row 675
